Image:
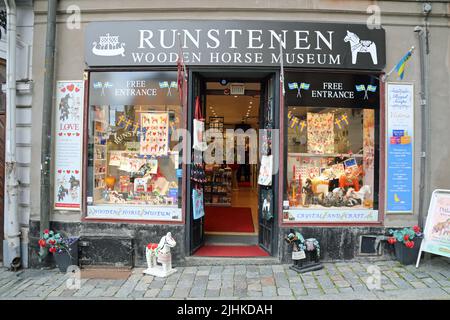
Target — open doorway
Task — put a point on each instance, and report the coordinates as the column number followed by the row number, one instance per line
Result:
column 231, row 193
column 234, row 109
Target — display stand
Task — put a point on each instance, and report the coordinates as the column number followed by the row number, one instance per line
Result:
column 436, row 238
column 218, row 186
column 100, row 152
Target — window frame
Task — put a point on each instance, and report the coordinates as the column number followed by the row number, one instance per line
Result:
column 183, row 125
column 381, row 152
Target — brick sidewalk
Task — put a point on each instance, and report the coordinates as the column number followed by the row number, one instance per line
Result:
column 341, row 280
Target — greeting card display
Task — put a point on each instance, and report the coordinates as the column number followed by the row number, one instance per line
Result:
column 114, row 158
column 320, row 132
column 155, row 134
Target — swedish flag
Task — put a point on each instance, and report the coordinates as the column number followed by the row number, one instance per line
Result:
column 164, row 84
column 293, row 85
column 371, row 88
column 304, row 86
column 400, row 67
column 360, row 87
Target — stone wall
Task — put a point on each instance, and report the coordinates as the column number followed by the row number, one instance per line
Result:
column 336, row 243
column 108, row 243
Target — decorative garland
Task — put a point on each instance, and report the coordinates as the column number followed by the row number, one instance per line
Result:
column 295, row 122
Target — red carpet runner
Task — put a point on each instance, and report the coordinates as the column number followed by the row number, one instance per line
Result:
column 230, row 251
column 228, row 219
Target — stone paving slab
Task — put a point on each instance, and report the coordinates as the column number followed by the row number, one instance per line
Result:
column 345, row 280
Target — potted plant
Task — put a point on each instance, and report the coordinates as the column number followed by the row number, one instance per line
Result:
column 406, row 243
column 64, row 249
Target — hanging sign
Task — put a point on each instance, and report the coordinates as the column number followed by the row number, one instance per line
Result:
column 68, row 144
column 399, row 147
column 436, row 235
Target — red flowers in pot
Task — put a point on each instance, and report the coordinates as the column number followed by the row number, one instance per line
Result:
column 405, row 235
column 406, row 242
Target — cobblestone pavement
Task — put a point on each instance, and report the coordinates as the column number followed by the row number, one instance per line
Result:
column 341, row 280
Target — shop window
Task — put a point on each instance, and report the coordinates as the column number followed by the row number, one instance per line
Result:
column 332, row 151
column 132, row 159
column 330, row 157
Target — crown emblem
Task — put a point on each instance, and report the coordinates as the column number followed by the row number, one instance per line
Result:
column 108, row 46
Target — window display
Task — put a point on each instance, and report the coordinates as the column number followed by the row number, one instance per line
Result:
column 132, row 160
column 133, row 163
column 330, row 162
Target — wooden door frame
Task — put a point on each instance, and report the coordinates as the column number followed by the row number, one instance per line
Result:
column 190, row 112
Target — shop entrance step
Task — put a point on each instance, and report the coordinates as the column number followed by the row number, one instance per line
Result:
column 215, row 239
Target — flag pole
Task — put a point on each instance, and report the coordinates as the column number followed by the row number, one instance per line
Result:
column 385, row 76
column 282, row 90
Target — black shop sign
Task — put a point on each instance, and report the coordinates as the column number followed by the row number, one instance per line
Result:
column 235, row 43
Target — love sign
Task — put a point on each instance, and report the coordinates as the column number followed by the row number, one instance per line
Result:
column 68, row 144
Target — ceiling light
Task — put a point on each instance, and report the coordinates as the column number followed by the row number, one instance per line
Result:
column 251, row 102
column 235, row 96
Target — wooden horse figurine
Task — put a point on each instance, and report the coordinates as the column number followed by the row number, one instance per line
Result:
column 305, row 253
column 163, row 255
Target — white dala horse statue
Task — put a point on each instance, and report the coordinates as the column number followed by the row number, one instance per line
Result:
column 160, row 253
column 361, row 46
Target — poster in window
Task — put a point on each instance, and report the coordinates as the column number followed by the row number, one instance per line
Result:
column 155, row 134
column 68, row 144
column 400, row 147
column 320, row 128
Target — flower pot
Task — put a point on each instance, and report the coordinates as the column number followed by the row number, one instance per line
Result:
column 407, row 255
column 65, row 258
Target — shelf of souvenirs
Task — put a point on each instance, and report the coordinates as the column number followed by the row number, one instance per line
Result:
column 326, row 155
